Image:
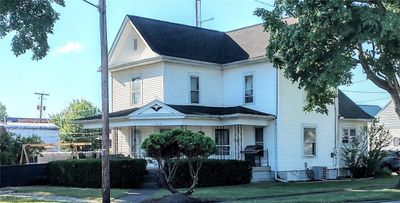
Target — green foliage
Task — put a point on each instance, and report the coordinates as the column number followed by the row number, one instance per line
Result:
column 365, row 151
column 214, row 173
column 71, row 132
column 168, row 147
column 3, row 111
column 11, row 146
column 124, row 173
column 30, row 22
column 320, row 42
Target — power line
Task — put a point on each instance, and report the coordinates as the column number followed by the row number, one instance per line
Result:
column 373, row 100
column 359, row 81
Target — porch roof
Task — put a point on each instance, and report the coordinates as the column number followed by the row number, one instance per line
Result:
column 190, row 110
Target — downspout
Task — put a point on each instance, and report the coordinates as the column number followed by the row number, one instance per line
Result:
column 336, row 151
column 276, row 128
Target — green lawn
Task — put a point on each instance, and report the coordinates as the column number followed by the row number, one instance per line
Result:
column 84, row 193
column 336, row 191
column 16, row 199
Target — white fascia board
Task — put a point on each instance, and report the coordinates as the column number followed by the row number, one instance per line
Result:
column 355, row 119
column 245, row 62
column 149, row 105
column 142, row 62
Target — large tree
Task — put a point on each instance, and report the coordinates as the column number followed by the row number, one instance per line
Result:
column 327, row 39
column 30, row 21
column 69, row 131
column 3, row 111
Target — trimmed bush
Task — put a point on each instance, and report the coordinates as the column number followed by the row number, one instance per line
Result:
column 215, row 173
column 124, row 173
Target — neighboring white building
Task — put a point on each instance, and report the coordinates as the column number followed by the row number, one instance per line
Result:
column 388, row 117
column 167, row 75
column 48, row 132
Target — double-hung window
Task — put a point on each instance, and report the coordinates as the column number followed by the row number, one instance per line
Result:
column 222, row 141
column 348, row 135
column 248, row 89
column 194, row 89
column 310, row 137
column 136, row 96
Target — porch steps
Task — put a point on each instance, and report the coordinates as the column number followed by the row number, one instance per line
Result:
column 150, row 180
column 262, row 174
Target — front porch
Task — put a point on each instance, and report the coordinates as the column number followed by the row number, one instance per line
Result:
column 232, row 128
column 231, row 140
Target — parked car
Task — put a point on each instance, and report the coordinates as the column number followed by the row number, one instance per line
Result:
column 392, row 162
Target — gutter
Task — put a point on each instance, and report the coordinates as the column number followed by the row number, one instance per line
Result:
column 276, row 129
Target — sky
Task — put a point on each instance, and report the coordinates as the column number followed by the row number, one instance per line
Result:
column 69, row 71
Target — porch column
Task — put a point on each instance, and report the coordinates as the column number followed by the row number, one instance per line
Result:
column 238, row 139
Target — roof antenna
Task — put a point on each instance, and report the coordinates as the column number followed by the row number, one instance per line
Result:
column 199, row 21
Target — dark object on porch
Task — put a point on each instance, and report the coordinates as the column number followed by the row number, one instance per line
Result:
column 125, row 173
column 253, row 154
column 23, row 175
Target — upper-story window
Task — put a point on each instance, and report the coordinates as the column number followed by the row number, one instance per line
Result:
column 135, row 44
column 136, row 91
column 248, row 89
column 194, row 89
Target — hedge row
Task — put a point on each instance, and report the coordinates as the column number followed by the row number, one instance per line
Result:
column 215, row 173
column 124, row 173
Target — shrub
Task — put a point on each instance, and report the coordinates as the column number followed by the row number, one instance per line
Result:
column 383, row 172
column 11, row 146
column 215, row 173
column 124, row 173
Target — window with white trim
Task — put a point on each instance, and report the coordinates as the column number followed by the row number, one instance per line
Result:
column 248, row 89
column 136, row 87
column 194, row 89
column 222, row 141
column 348, row 135
column 310, row 138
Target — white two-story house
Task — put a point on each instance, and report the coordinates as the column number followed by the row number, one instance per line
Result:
column 166, row 75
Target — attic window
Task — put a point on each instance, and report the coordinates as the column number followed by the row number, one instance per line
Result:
column 135, row 44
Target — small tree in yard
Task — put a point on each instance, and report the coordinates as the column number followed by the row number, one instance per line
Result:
column 365, row 151
column 167, row 148
column 196, row 147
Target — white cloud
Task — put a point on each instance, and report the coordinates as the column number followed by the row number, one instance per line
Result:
column 70, row 47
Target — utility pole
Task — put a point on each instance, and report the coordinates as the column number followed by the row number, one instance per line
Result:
column 40, row 107
column 105, row 163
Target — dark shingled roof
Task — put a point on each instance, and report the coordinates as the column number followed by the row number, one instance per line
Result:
column 349, row 109
column 191, row 109
column 218, row 111
column 183, row 41
column 112, row 115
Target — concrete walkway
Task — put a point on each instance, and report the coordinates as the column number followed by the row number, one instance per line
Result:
column 137, row 195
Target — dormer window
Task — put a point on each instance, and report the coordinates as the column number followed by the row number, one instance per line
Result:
column 135, row 44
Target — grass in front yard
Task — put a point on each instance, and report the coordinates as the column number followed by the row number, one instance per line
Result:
column 84, row 193
column 371, row 189
column 16, row 199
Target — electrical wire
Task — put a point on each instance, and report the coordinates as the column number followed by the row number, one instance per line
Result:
column 373, row 100
column 367, row 92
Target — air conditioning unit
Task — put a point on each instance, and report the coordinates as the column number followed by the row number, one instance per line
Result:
column 320, row 172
